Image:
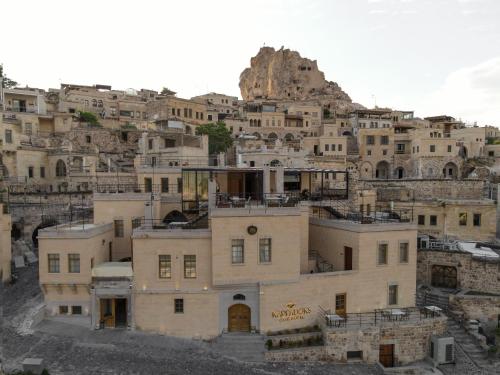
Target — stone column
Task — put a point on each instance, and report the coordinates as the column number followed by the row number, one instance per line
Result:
column 280, row 179
column 266, row 180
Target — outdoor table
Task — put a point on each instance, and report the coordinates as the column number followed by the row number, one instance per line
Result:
column 398, row 314
column 334, row 319
column 433, row 310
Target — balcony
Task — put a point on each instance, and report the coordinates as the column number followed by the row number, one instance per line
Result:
column 11, row 119
column 379, row 216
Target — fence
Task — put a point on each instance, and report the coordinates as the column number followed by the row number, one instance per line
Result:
column 378, row 216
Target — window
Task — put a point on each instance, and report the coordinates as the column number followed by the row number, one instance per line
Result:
column 88, row 139
column 340, row 147
column 476, row 220
column 164, row 185
column 265, row 250
column 209, row 117
column 433, row 220
column 185, row 112
column 189, row 266
column 74, row 263
column 60, row 169
column 393, row 294
column 403, row 252
column 333, row 147
column 76, row 310
column 119, row 228
column 53, row 263
column 449, row 148
column 369, row 152
column 150, row 144
column 30, row 172
column 179, row 184
column 370, row 140
column 42, row 172
column 432, row 148
column 8, row 136
column 462, row 218
column 421, row 219
column 63, row 310
column 237, row 251
column 327, row 147
column 382, row 254
column 148, row 185
column 355, row 354
column 165, row 266
column 384, row 152
column 179, row 305
column 28, row 129
column 384, row 140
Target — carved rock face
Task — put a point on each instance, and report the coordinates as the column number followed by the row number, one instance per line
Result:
column 285, row 75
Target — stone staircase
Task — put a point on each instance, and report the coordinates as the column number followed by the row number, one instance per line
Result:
column 472, row 349
column 246, row 347
column 321, row 264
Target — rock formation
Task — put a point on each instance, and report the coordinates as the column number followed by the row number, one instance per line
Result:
column 285, row 75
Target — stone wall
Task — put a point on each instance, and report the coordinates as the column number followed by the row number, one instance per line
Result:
column 315, row 353
column 472, row 272
column 486, row 309
column 425, row 189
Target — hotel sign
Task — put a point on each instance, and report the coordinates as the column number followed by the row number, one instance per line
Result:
column 291, row 312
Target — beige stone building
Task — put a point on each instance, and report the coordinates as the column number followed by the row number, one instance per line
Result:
column 5, row 247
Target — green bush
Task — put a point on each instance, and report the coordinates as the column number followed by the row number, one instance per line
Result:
column 269, row 344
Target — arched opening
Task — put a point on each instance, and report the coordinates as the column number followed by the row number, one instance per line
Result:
column 175, row 216
column 258, row 123
column 272, row 136
column 366, row 170
column 45, row 224
column 251, row 122
column 450, row 170
column 239, row 297
column 347, row 133
column 16, row 232
column 275, row 163
column 444, row 276
column 289, row 137
column 189, row 130
column 399, row 172
column 60, row 168
column 238, row 318
column 257, row 135
column 382, row 170
column 464, row 152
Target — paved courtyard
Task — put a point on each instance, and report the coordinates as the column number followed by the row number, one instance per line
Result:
column 72, row 349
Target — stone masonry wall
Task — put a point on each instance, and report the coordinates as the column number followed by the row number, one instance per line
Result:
column 486, row 309
column 473, row 273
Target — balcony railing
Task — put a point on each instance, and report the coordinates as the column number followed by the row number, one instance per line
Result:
column 389, row 316
column 378, row 216
column 229, row 200
column 126, row 188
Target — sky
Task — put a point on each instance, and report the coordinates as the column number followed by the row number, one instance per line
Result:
column 431, row 56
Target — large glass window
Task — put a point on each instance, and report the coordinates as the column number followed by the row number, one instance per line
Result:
column 237, row 251
column 53, row 260
column 189, row 266
column 265, row 250
column 74, row 263
column 165, row 266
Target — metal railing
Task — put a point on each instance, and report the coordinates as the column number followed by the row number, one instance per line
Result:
column 199, row 222
column 249, row 200
column 126, row 188
column 379, row 215
column 158, row 160
column 389, row 316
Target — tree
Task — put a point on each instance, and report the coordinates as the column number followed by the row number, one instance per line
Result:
column 167, row 91
column 89, row 118
column 219, row 137
column 7, row 83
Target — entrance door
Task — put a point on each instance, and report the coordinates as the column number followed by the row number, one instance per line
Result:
column 108, row 312
column 341, row 304
column 239, row 318
column 347, row 258
column 120, row 312
column 444, row 276
column 386, row 355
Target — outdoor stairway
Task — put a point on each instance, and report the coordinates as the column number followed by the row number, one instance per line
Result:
column 471, row 348
column 321, row 264
column 247, row 347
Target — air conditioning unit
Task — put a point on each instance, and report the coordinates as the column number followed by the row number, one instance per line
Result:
column 442, row 350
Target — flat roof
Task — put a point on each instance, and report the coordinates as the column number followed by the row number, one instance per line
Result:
column 113, row 269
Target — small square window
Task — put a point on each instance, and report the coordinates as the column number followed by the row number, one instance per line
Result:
column 179, row 305
column 76, row 310
column 477, row 220
column 432, row 148
column 421, row 219
column 63, row 310
column 462, row 218
column 433, row 220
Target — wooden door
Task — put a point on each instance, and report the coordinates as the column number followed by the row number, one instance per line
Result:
column 347, row 258
column 386, row 355
column 341, row 304
column 239, row 318
column 108, row 312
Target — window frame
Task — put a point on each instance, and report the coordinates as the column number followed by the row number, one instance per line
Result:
column 178, row 305
column 239, row 247
column 462, row 219
column 386, row 244
column 268, row 250
column 476, row 223
column 404, row 260
column 164, row 266
column 72, row 258
column 55, row 258
column 191, row 274
column 119, row 228
column 394, row 294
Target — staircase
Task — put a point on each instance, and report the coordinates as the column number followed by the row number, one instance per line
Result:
column 246, row 347
column 321, row 264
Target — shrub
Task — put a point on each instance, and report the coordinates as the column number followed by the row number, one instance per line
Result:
column 269, row 344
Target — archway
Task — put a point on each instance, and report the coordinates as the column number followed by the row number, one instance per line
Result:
column 238, row 318
column 257, row 135
column 347, row 133
column 450, row 170
column 60, row 168
column 289, row 137
column 272, row 136
column 176, row 216
column 45, row 224
column 444, row 276
column 382, row 170
column 275, row 163
column 399, row 172
column 188, row 130
column 366, row 170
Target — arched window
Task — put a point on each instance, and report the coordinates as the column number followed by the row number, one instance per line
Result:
column 239, row 297
column 94, row 103
column 275, row 163
column 60, row 169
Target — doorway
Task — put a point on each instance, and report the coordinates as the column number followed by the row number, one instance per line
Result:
column 444, row 276
column 239, row 318
column 386, row 355
column 347, row 258
column 113, row 312
column 341, row 304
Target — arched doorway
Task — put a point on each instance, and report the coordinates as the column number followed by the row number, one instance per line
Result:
column 382, row 170
column 238, row 318
column 275, row 163
column 450, row 170
column 60, row 168
column 272, row 137
column 444, row 276
column 399, row 172
column 288, row 137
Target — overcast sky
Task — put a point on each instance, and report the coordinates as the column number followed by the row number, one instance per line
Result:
column 431, row 56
